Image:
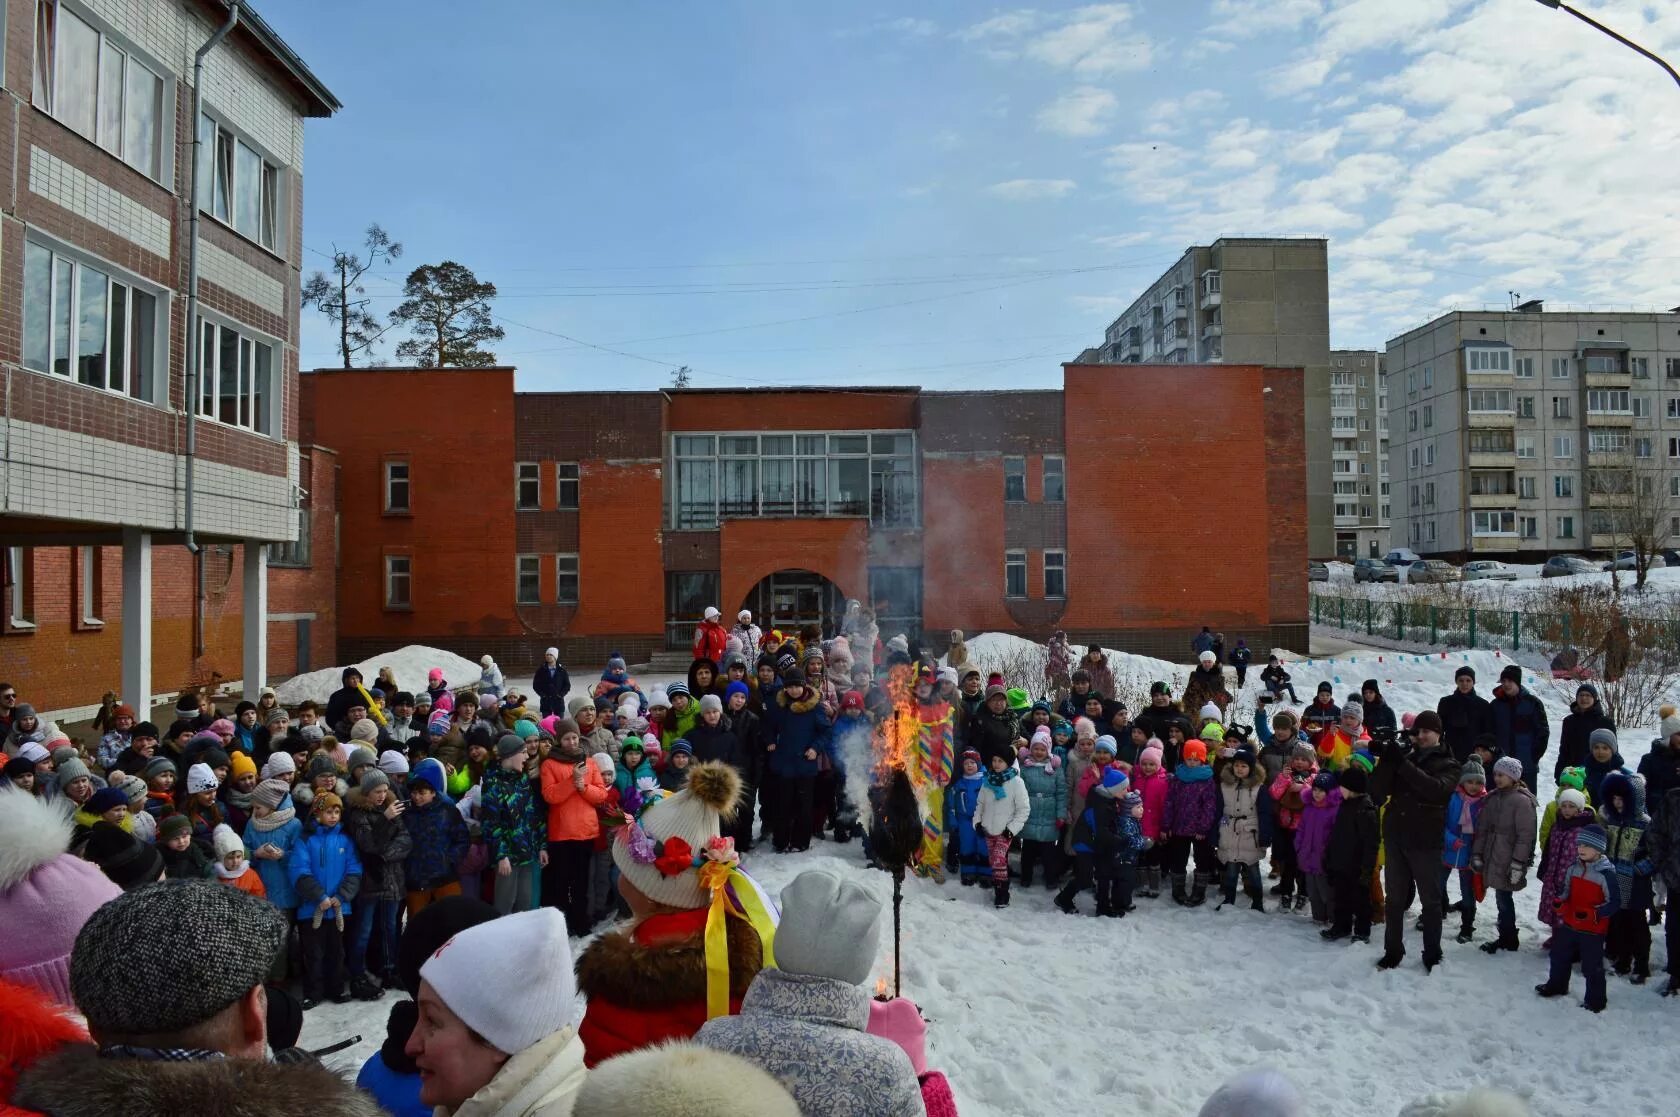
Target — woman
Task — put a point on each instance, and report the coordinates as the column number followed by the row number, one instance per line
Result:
column 1586, row 714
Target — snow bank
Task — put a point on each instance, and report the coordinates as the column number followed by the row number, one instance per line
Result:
column 410, row 665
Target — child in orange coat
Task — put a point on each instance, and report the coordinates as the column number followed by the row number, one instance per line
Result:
column 573, row 790
column 231, row 866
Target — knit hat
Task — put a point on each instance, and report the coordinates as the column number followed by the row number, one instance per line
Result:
column 143, row 729
column 326, row 800
column 1324, row 687
column 737, row 687
column 712, row 1083
column 435, row 675
column 1353, row 778
column 1472, row 770
column 1206, row 657
column 125, row 859
column 277, row 714
column 1466, row 670
column 1354, row 709
column 430, row 773
column 270, row 794
column 70, row 770
column 364, row 730
column 680, row 687
column 1573, row 777
column 372, row 780
column 1427, row 719
column 278, row 765
column 33, row 752
column 241, row 765
column 201, row 778
column 1302, row 751
column 132, row 786
column 214, row 757
column 577, row 705
column 1511, row 673
column 45, row 889
column 696, row 815
column 1208, row 712
column 711, row 702
column 1509, row 767
column 1602, row 737
column 683, row 747
column 1325, row 781
column 1107, row 744
column 484, row 974
column 1243, row 755
column 312, row 734
column 361, row 758
column 1572, row 795
column 1084, row 729
column 525, row 729
column 1131, row 799
column 996, row 690
column 1152, row 752
column 393, row 763
column 508, row 745
column 1113, row 779
column 831, row 927
column 321, row 764
column 173, row 826
column 1213, row 731
column 658, row 696
column 235, row 938
column 105, row 799
column 1195, row 751
column 970, row 754
column 1670, row 726
column 19, row 766
column 225, row 841
column 1041, row 736
column 1159, row 687
column 1594, row 836
column 223, row 728
column 156, row 766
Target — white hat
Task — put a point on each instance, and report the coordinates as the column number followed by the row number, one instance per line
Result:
column 488, row 976
column 226, row 841
column 696, row 815
column 604, row 765
column 1670, row 726
column 744, row 615
column 1571, row 795
column 32, row 752
column 1208, row 712
column 485, row 660
column 201, row 778
column 682, row 1080
column 279, row 764
column 1206, row 657
column 712, row 613
column 555, row 652
column 658, row 697
column 393, row 763
column 364, row 730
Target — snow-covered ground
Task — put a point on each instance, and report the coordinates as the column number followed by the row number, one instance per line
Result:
column 1032, row 1011
column 1662, row 585
column 409, row 664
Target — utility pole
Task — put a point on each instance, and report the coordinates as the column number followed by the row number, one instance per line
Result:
column 679, row 379
column 1620, row 38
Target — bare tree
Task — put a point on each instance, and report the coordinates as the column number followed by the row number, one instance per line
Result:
column 342, row 298
column 1635, row 658
column 1627, row 498
column 447, row 309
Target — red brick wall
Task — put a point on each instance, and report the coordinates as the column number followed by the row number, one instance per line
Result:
column 770, row 410
column 962, row 544
column 311, row 590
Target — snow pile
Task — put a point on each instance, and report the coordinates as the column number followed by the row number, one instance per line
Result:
column 410, row 666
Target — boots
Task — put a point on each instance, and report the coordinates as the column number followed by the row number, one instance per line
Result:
column 1257, row 898
column 365, row 988
column 1198, row 889
column 1467, row 927
column 1507, row 940
column 1064, row 899
column 1000, row 898
column 1178, row 894
column 1149, row 882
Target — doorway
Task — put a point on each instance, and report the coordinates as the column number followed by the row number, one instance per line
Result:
column 791, row 599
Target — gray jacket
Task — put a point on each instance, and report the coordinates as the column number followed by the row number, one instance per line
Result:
column 1503, row 848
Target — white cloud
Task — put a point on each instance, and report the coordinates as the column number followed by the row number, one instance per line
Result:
column 1104, row 306
column 1126, row 240
column 904, row 26
column 1090, row 41
column 1031, row 189
column 1084, row 111
column 1242, row 19
column 916, row 27
column 1008, row 25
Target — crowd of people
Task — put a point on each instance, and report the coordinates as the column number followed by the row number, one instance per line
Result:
column 367, row 827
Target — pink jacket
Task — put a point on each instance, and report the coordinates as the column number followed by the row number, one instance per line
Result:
column 1154, row 792
column 1291, row 796
column 1092, row 776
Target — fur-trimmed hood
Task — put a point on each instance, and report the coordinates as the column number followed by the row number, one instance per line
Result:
column 76, row 1082
column 665, row 973
column 1228, row 777
column 813, row 696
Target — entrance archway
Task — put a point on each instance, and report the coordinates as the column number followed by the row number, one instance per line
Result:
column 789, row 599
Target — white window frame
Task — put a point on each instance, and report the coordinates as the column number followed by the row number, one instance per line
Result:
column 1492, row 522
column 1487, row 358
column 1523, row 368
column 1563, row 486
column 1607, row 441
column 567, row 474
column 1673, row 447
column 403, row 576
column 1671, row 368
column 1525, row 446
column 221, row 179
column 210, row 373
column 1489, row 401
column 1528, row 527
column 1609, row 401
column 1641, row 407
column 1015, row 559
column 138, row 385
column 1562, row 368
column 87, row 561
column 527, row 568
column 1639, row 368
column 1566, row 527
column 1014, row 468
column 1428, row 377
column 18, row 561
column 1642, row 447
column 527, row 473
column 1428, row 415
column 1526, row 489
column 1429, row 455
column 1563, row 447
column 389, row 479
column 1562, row 408
column 1674, row 485
column 566, row 574
column 1060, row 473
column 109, row 129
column 695, row 516
column 1673, row 408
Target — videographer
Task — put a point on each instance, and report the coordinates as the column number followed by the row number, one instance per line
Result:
column 1414, row 777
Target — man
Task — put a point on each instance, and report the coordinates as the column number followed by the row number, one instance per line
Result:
column 1518, row 721
column 1161, row 712
column 1661, row 769
column 1203, row 642
column 142, row 745
column 1464, row 714
column 350, row 694
column 1415, row 783
column 192, row 1037
column 8, row 709
column 496, row 1004
column 711, row 640
column 992, row 732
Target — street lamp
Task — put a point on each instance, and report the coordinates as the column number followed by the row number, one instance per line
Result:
column 1623, row 39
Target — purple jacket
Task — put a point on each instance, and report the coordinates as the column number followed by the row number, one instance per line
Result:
column 1192, row 804
column 1312, row 838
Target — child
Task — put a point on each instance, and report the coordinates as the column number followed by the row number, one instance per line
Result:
column 271, row 833
column 1078, row 761
column 374, row 822
column 1623, row 818
column 1096, row 840
column 633, row 766
column 1150, row 781
column 182, row 859
column 1503, row 848
column 1289, row 790
column 20, row 774
column 1463, row 810
column 675, row 773
column 962, row 800
column 1102, row 759
column 437, row 836
column 1189, row 822
column 1047, row 794
column 1245, row 826
column 572, row 789
column 1312, row 838
column 514, row 829
column 1485, row 750
column 1278, row 737
column 1591, row 897
column 231, row 868
column 1002, row 811
column 201, row 808
column 325, row 874
column 235, row 795
column 1557, row 851
column 1132, row 844
column 1350, row 859
column 1602, row 759
column 1568, row 778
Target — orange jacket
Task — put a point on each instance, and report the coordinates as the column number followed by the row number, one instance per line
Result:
column 248, row 881
column 571, row 811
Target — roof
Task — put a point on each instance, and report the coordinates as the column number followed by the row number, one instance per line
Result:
column 857, row 389
column 405, row 368
column 318, row 99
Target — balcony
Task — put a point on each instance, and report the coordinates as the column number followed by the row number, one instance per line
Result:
column 1490, row 419
column 1208, row 290
column 1500, row 501
column 1610, row 500
column 1492, row 459
column 1609, row 418
column 1213, row 330
column 1347, row 521
column 1176, row 304
column 1622, row 379
column 1494, row 544
column 1175, row 345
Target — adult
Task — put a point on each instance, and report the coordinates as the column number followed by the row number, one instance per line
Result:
column 1161, row 713
column 805, row 1020
column 992, row 730
column 195, row 1038
column 799, row 731
column 8, row 709
column 1206, row 684
column 711, row 639
column 1661, row 769
column 1095, row 663
column 495, row 1035
column 1517, row 719
column 351, row 693
column 1586, row 713
column 747, row 632
column 1378, row 713
column 1465, row 714
column 45, row 889
column 142, row 746
column 681, row 1080
column 1662, row 845
column 931, row 764
column 1201, row 642
column 861, row 632
column 552, row 683
column 1413, row 786
column 1057, row 664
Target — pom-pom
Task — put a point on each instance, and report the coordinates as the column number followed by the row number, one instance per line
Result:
column 715, row 784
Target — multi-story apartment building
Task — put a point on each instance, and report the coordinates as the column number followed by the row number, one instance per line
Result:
column 1527, row 433
column 100, row 486
column 1359, row 452
column 1245, row 300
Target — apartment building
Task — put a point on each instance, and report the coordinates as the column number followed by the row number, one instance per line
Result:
column 1359, row 452
column 1245, row 300
column 1526, row 433
column 98, row 490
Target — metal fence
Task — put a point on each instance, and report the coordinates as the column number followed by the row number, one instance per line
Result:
column 1459, row 626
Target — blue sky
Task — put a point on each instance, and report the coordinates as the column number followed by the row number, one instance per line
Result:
column 960, row 195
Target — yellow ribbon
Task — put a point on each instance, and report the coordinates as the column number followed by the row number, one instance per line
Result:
column 716, row 876
column 372, row 706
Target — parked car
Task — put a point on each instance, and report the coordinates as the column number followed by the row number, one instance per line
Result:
column 1432, row 570
column 1317, row 572
column 1374, row 570
column 1488, row 570
column 1627, row 560
column 1561, row 566
column 1401, row 556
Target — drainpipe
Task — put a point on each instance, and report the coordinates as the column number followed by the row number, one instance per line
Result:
column 195, row 336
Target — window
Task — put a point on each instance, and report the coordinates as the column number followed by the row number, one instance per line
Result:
column 396, row 487
column 1607, row 442
column 1563, row 485
column 1364, row 446
column 566, row 580
column 97, row 88
column 1560, row 407
column 1413, row 459
column 1429, row 494
column 1384, row 515
column 528, row 579
column 1493, row 523
column 1411, row 422
column 1610, row 401
column 1342, row 423
column 1674, row 486
column 82, row 324
column 1015, row 479
column 1560, row 368
column 1055, row 574
column 1640, row 367
column 237, row 185
column 1429, row 531
column 1414, row 495
column 1428, row 416
column 1563, row 446
column 1525, row 488
column 566, row 485
column 1364, row 403
column 1347, row 509
column 1674, row 447
column 87, row 577
column 1671, row 368
column 234, row 376
column 527, row 485
column 1429, row 455
column 1524, row 368
column 1014, row 573
column 1055, row 479
column 1525, row 446
column 1566, row 527
column 1411, row 389
column 1341, row 465
column 1641, row 407
column 810, row 474
column 1484, row 441
column 1428, row 377
column 1485, row 483
column 1481, row 359
column 1673, row 411
column 1642, row 447
column 1528, row 527
column 1525, row 407
column 19, row 613
column 1346, row 488
column 296, row 554
column 1490, row 399
column 1364, row 424
column 398, row 582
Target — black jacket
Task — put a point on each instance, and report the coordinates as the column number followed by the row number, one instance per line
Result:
column 1379, row 715
column 1464, row 717
column 1416, row 789
column 991, row 735
column 1352, row 848
column 1155, row 720
column 343, row 698
column 1577, row 731
column 717, row 743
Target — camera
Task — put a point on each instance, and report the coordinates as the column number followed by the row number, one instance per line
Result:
column 1386, row 741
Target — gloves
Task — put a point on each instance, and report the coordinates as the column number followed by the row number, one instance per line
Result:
column 1061, row 823
column 1517, row 876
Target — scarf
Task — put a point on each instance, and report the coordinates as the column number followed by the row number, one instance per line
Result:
column 240, row 799
column 225, row 873
column 1466, row 821
column 998, row 780
column 274, row 821
column 1201, row 773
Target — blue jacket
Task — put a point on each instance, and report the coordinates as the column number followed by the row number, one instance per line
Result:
column 796, row 727
column 1520, row 725
column 397, row 1094
column 439, row 841
column 275, row 875
column 960, row 800
column 1132, row 842
column 1459, row 858
column 324, row 863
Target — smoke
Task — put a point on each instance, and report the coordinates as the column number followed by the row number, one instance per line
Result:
column 857, row 756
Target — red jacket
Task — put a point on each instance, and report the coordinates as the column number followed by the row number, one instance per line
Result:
column 571, row 811
column 711, row 640
column 1590, row 896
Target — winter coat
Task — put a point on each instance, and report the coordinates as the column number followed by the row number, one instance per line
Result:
column 1625, row 829
column 1156, row 719
column 1413, row 791
column 1312, row 836
column 748, row 729
column 1003, row 806
column 276, row 878
column 1071, row 707
column 1578, row 727
column 572, row 816
column 1205, row 686
column 398, row 1094
column 1662, row 843
column 1153, row 791
column 1354, row 843
column 1559, row 854
column 383, row 845
column 490, row 681
column 1102, row 675
column 1275, row 747
column 438, row 841
column 1097, row 829
column 541, row 1081
column 1464, row 717
column 1073, row 769
column 716, row 743
column 1318, row 714
column 511, row 811
column 1192, row 803
column 626, row 777
column 1519, row 724
column 1046, row 785
column 324, row 863
column 1459, row 842
column 750, row 635
column 711, row 641
column 1131, row 840
column 1595, row 773
column 552, row 684
column 1274, row 678
column 796, row 727
column 342, row 699
column 695, row 690
column 809, row 1034
column 601, row 739
column 1591, row 895
column 1245, row 816
column 992, row 735
column 1290, row 794
column 962, row 801
column 1241, row 656
column 1335, row 747
column 1379, row 715
column 188, row 864
column 1661, row 769
column 1506, row 829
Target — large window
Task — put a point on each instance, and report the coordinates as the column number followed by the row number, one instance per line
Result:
column 1482, row 359
column 1014, row 573
column 1055, row 479
column 396, row 487
column 735, row 475
column 95, row 87
column 526, row 485
column 80, row 323
column 527, row 579
column 1490, row 399
column 399, row 582
column 1014, row 479
column 1055, row 574
column 1563, row 485
column 1608, row 442
column 566, row 485
column 235, row 377
column 1493, row 523
column 18, row 611
column 237, row 185
column 1613, row 401
column 566, row 579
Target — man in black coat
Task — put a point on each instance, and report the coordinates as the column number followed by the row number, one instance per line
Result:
column 991, row 732
column 1586, row 714
column 350, row 694
column 1464, row 715
column 1416, row 784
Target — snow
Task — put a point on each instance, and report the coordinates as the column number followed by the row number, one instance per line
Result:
column 1032, row 1011
column 410, row 665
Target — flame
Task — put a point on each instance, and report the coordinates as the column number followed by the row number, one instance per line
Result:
column 881, row 988
column 895, row 737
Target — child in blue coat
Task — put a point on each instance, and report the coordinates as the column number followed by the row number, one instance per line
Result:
column 1463, row 809
column 960, row 800
column 326, row 874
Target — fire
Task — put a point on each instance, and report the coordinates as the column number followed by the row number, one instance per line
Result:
column 881, row 988
column 895, row 737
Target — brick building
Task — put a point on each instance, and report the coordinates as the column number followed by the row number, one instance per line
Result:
column 608, row 520
column 101, row 484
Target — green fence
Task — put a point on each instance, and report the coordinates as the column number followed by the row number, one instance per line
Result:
column 1425, row 623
